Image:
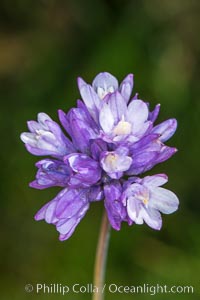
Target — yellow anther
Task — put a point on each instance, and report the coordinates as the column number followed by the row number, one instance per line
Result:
column 145, row 201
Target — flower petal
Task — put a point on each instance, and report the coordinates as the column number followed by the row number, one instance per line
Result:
column 86, row 171
column 104, row 83
column 113, row 204
column 165, row 153
column 166, row 129
column 64, row 120
column 117, row 106
column 67, row 226
column 163, row 200
column 70, row 202
column 152, row 218
column 154, row 114
column 33, row 126
column 50, row 173
column 82, row 130
column 42, row 118
column 47, row 212
column 134, row 210
column 28, row 138
column 126, row 87
column 97, row 147
column 89, row 97
column 155, row 180
column 106, row 118
column 112, row 162
column 137, row 113
column 142, row 162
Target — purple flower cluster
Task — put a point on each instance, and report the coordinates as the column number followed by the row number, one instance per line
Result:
column 111, row 140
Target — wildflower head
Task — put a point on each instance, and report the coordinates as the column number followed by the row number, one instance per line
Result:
column 106, row 143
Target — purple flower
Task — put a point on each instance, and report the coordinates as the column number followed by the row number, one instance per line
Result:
column 145, row 199
column 46, row 138
column 116, row 210
column 118, row 118
column 85, row 171
column 51, row 173
column 103, row 85
column 114, row 163
column 109, row 137
column 81, row 127
column 117, row 121
column 148, row 152
column 65, row 211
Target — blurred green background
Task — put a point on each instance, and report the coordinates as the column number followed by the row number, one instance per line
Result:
column 44, row 46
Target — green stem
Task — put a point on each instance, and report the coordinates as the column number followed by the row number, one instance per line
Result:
column 101, row 256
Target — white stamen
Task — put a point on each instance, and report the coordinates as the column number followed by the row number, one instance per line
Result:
column 111, row 89
column 111, row 160
column 102, row 92
column 123, row 127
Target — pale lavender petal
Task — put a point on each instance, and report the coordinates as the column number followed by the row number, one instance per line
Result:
column 47, row 141
column 46, row 138
column 137, row 113
column 163, row 200
column 134, row 210
column 166, row 129
column 155, row 180
column 50, row 213
column 139, row 213
column 28, row 138
column 112, row 162
column 117, row 106
column 139, row 130
column 152, row 218
column 40, row 152
column 64, row 142
column 90, row 98
column 33, row 126
column 126, row 87
column 40, row 215
column 42, row 118
column 106, row 118
column 104, row 83
column 68, row 227
column 47, row 212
